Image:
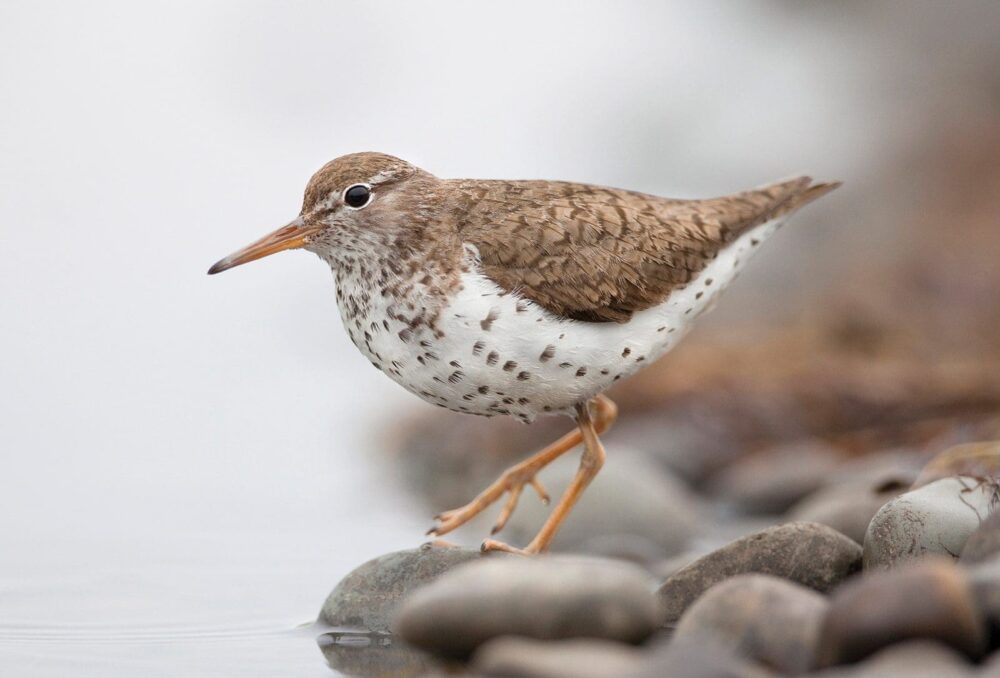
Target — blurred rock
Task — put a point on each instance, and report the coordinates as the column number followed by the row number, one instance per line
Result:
column 773, row 480
column 935, row 519
column 807, row 553
column 899, row 465
column 366, row 599
column 700, row 657
column 911, row 659
column 632, row 510
column 548, row 598
column 975, row 460
column 983, row 544
column 769, row 620
column 513, row 657
column 930, row 599
column 985, row 581
column 849, row 506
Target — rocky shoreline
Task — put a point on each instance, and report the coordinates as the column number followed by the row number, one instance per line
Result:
column 881, row 566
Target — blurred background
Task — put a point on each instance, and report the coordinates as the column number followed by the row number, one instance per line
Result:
column 189, row 464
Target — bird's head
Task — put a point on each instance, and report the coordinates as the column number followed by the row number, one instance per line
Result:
column 358, row 204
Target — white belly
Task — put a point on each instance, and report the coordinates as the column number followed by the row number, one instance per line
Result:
column 493, row 352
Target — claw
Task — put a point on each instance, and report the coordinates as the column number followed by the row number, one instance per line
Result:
column 540, row 489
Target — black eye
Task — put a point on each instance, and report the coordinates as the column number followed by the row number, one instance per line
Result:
column 357, row 196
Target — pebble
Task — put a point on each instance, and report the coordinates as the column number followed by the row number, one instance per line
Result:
column 976, row 460
column 608, row 520
column 514, row 657
column 930, row 599
column 911, row 659
column 547, row 598
column 700, row 657
column 773, row 480
column 366, row 600
column 810, row 554
column 983, row 544
column 849, row 506
column 985, row 580
column 769, row 620
column 935, row 519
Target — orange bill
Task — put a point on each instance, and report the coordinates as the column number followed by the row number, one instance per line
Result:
column 295, row 234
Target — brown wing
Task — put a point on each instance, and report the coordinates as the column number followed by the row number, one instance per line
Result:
column 601, row 254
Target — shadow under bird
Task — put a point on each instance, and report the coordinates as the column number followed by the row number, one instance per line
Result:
column 520, row 298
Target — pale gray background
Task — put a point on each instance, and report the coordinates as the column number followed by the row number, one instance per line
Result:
column 186, row 463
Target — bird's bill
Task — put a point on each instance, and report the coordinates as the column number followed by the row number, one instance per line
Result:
column 295, row 234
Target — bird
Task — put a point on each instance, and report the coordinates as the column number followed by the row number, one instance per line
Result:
column 521, row 298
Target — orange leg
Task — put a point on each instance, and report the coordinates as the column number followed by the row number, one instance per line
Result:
column 514, row 479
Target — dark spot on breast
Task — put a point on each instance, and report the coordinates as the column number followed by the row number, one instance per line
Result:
column 547, row 408
column 521, row 306
column 484, row 389
column 605, row 371
column 420, row 359
column 581, row 372
column 487, row 322
column 660, row 329
column 754, row 242
column 478, row 347
column 640, row 359
column 523, row 376
column 509, row 366
column 523, row 401
column 468, row 396
column 508, row 401
column 548, row 353
column 456, row 376
column 699, row 295
column 406, row 334
column 708, row 281
column 626, row 351
column 492, row 358
column 455, row 363
column 565, row 365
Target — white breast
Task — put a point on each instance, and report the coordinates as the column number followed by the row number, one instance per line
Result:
column 492, row 352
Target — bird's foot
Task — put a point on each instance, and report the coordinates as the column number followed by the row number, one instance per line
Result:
column 512, row 482
column 493, row 545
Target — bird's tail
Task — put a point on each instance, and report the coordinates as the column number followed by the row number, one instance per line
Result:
column 804, row 197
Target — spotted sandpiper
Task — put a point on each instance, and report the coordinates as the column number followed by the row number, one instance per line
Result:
column 520, row 298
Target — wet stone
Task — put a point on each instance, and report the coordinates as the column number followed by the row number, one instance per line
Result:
column 514, row 657
column 935, row 519
column 975, row 460
column 769, row 620
column 547, row 598
column 771, row 481
column 366, row 600
column 930, row 599
column 807, row 553
column 849, row 506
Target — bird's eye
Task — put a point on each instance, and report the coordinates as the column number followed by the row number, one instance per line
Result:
column 357, row 196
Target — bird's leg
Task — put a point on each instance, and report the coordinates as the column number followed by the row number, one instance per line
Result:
column 590, row 463
column 514, row 479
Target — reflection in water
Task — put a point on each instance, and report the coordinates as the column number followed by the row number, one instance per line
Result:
column 362, row 654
